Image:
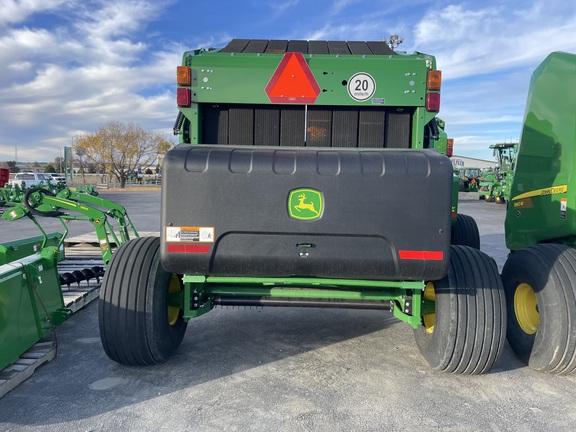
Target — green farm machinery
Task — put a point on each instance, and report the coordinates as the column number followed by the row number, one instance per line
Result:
column 495, row 186
column 540, row 274
column 302, row 179
column 31, row 299
column 468, row 179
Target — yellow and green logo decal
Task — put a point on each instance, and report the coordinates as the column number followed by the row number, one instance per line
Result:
column 305, row 204
column 552, row 190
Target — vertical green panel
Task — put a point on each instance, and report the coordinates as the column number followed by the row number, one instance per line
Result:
column 30, row 296
column 544, row 174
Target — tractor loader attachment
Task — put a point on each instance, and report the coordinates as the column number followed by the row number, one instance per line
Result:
column 31, row 298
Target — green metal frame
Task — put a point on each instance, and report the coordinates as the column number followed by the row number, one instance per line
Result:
column 84, row 204
column 18, row 249
column 406, row 298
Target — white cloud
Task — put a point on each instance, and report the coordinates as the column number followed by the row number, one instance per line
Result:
column 14, row 11
column 63, row 80
column 472, row 42
column 116, row 18
column 71, row 65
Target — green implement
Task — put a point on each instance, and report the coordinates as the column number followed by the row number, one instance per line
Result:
column 31, row 303
column 540, row 273
column 303, row 178
column 495, row 185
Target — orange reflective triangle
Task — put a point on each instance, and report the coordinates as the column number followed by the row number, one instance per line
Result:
column 293, row 81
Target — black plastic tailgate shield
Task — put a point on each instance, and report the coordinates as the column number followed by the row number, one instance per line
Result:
column 333, row 213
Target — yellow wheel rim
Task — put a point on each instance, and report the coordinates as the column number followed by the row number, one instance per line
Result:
column 429, row 319
column 173, row 311
column 526, row 308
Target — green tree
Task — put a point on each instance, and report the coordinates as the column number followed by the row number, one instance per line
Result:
column 49, row 168
column 121, row 148
column 12, row 166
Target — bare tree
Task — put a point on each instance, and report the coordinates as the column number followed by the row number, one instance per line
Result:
column 121, row 148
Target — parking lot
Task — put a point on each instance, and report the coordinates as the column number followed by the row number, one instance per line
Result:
column 280, row 369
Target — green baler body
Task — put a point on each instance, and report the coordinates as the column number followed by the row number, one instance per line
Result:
column 543, row 193
column 275, row 111
column 232, row 86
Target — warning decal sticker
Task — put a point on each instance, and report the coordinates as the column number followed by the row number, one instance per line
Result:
column 190, row 234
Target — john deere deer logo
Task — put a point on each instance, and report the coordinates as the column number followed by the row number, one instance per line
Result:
column 305, row 204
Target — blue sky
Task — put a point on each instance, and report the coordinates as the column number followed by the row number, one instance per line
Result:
column 69, row 66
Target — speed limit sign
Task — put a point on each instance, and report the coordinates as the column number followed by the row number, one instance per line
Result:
column 361, row 86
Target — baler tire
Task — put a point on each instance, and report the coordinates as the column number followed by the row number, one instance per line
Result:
column 542, row 331
column 136, row 326
column 465, row 232
column 467, row 333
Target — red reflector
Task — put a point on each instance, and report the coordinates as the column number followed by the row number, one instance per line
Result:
column 421, row 255
column 433, row 102
column 293, row 81
column 183, row 97
column 187, row 248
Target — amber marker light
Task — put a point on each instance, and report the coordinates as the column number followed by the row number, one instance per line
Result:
column 183, row 75
column 434, row 80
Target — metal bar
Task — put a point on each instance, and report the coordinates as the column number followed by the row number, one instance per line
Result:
column 314, row 282
column 392, row 293
column 309, row 303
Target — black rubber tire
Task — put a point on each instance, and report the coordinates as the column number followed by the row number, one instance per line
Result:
column 133, row 307
column 469, row 329
column 550, row 270
column 465, row 232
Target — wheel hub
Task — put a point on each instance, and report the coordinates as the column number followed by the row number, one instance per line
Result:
column 173, row 311
column 429, row 319
column 526, row 308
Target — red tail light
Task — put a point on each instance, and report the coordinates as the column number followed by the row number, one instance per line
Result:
column 433, row 102
column 449, row 147
column 183, row 97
